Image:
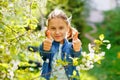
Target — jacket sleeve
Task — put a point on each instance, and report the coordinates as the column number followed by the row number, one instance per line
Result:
column 77, row 54
column 44, row 54
column 74, row 53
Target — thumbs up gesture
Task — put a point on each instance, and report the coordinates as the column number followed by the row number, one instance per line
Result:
column 76, row 42
column 48, row 41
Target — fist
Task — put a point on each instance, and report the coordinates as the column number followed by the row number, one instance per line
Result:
column 76, row 42
column 48, row 41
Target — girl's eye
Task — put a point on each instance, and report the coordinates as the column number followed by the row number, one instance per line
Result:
column 53, row 28
column 61, row 28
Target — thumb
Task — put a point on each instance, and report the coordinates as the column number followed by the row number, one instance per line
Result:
column 48, row 34
column 75, row 36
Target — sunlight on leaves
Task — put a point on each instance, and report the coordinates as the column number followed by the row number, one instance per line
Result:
column 101, row 37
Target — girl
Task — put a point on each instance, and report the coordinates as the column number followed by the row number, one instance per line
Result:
column 57, row 47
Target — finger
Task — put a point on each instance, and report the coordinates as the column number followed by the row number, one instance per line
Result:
column 48, row 41
column 75, row 37
column 77, row 42
column 47, row 47
column 76, row 48
column 47, row 44
column 48, row 34
column 77, row 45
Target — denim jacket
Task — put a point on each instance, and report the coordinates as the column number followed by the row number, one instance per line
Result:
column 67, row 53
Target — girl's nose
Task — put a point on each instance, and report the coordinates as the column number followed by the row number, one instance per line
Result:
column 57, row 31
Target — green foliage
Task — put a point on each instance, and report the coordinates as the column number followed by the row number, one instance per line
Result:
column 109, row 68
column 112, row 24
column 18, row 21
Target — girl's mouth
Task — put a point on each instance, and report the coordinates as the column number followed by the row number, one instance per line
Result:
column 57, row 37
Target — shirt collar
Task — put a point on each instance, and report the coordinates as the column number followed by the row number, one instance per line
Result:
column 56, row 44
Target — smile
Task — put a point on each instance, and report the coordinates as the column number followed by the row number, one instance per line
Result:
column 57, row 36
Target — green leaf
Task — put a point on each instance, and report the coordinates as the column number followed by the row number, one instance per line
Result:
column 101, row 37
column 74, row 73
column 3, row 66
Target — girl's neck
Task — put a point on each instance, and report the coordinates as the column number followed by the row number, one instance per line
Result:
column 62, row 41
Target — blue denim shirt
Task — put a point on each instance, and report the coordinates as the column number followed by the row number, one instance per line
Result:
column 67, row 51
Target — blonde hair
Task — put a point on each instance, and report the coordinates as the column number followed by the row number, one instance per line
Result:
column 57, row 13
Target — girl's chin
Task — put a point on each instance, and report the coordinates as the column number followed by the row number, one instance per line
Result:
column 58, row 40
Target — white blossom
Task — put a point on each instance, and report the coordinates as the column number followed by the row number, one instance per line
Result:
column 85, row 68
column 97, row 58
column 47, row 60
column 84, row 60
column 82, row 66
column 78, row 68
column 102, row 54
column 83, row 54
column 107, row 41
column 13, row 68
column 90, row 48
column 11, row 74
column 15, row 64
column 91, row 56
column 91, row 66
column 108, row 46
column 87, row 64
column 31, row 69
column 88, row 60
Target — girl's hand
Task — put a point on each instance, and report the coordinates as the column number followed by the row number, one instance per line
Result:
column 76, row 42
column 48, row 41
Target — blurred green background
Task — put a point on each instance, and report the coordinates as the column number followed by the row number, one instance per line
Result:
column 22, row 23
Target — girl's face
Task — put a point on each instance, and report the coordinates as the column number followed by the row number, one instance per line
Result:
column 58, row 29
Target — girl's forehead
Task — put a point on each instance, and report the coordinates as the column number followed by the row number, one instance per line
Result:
column 57, row 21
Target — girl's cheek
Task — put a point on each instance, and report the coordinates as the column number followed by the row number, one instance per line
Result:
column 52, row 34
column 66, row 34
